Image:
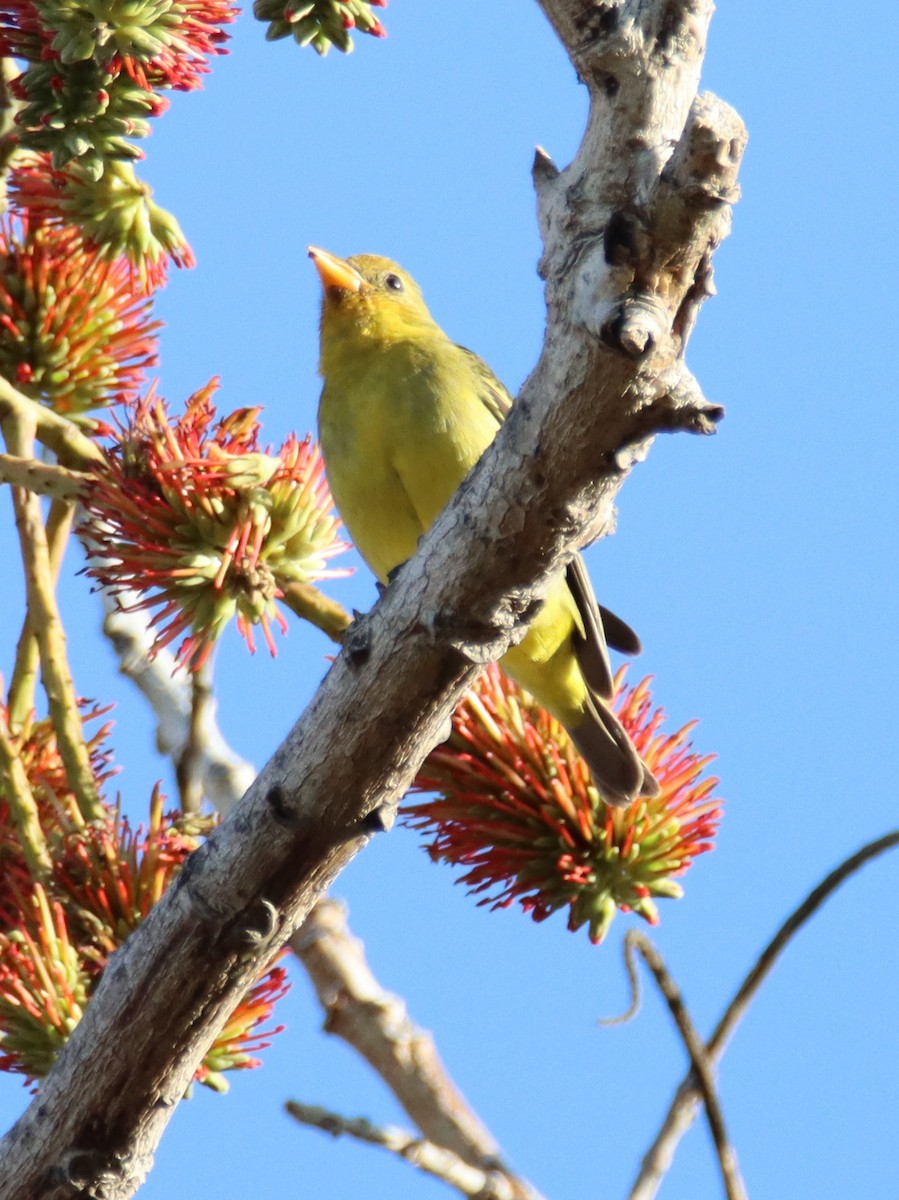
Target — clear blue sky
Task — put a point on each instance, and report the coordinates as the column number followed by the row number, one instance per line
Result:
column 758, row 566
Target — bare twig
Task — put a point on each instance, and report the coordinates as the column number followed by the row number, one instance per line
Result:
column 62, row 698
column 23, row 683
column 682, row 1112
column 71, row 445
column 378, row 1027
column 43, row 478
column 189, row 765
column 314, row 606
column 433, row 1160
column 702, row 1064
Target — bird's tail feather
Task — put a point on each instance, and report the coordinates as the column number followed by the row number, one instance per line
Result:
column 619, row 634
column 617, row 769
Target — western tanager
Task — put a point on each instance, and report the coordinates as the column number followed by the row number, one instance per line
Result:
column 404, row 415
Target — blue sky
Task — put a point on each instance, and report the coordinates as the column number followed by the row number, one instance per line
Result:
column 758, row 567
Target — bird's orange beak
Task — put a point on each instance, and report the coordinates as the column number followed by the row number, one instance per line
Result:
column 335, row 272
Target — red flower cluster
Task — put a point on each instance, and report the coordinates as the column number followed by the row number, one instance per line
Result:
column 57, row 936
column 74, row 333
column 204, row 526
column 37, row 750
column 114, row 215
column 517, row 808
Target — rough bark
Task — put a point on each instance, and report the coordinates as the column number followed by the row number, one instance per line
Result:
column 629, row 229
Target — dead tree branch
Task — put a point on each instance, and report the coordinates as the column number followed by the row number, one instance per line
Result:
column 680, row 1116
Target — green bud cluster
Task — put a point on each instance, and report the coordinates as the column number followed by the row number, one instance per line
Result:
column 106, row 29
column 95, row 68
column 320, row 24
column 115, row 213
column 83, row 112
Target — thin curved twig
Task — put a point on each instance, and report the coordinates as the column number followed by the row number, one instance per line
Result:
column 702, row 1063
column 682, row 1111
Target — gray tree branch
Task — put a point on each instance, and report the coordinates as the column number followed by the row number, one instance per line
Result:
column 478, row 1183
column 358, row 1009
column 376, row 1023
column 618, row 273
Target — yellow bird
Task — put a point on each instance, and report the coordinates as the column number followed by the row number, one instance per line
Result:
column 404, row 415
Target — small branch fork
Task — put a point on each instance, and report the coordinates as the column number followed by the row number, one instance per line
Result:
column 475, row 1182
column 376, row 1024
column 72, row 447
column 693, row 1090
column 44, row 479
column 636, row 942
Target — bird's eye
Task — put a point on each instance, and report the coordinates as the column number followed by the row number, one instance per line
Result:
column 394, row 283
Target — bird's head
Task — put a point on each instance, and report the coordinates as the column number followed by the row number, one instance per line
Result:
column 370, row 297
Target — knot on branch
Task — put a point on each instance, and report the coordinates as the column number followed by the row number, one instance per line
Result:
column 483, row 640
column 378, row 820
column 705, row 162
column 626, row 240
column 681, row 407
column 91, row 1173
column 640, row 325
column 357, row 641
column 255, row 928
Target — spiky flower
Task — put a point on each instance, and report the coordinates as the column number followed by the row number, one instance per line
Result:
column 95, row 67
column 73, row 332
column 159, row 43
column 236, row 1046
column 320, row 23
column 115, row 215
column 111, row 874
column 58, row 812
column 43, row 987
column 38, row 751
column 517, row 808
column 106, row 878
column 204, row 525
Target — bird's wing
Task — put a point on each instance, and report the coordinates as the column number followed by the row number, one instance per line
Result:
column 612, row 757
column 493, row 394
column 602, row 628
column 601, row 738
column 590, row 646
